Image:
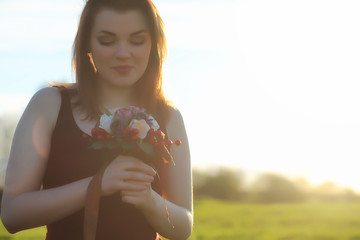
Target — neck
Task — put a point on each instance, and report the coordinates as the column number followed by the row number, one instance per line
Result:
column 113, row 97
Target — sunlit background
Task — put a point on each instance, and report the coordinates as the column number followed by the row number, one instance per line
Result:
column 262, row 85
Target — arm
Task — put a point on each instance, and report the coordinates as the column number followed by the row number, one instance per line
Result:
column 24, row 205
column 178, row 189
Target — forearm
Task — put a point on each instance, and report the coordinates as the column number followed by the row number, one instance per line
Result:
column 38, row 208
column 170, row 220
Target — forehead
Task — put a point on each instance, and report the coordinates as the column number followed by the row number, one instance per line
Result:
column 124, row 22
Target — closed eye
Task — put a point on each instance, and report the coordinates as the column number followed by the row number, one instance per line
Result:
column 138, row 40
column 106, row 38
column 106, row 41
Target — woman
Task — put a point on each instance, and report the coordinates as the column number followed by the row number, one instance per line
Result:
column 118, row 54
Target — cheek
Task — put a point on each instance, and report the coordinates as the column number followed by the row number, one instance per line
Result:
column 143, row 54
column 101, row 54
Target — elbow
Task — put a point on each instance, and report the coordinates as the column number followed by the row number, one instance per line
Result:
column 188, row 227
column 11, row 229
column 186, row 234
column 10, row 214
column 183, row 230
column 9, row 224
column 8, row 220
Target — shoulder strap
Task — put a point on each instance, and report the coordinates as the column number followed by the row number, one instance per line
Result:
column 92, row 202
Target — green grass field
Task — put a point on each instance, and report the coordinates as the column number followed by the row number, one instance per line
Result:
column 308, row 221
column 232, row 221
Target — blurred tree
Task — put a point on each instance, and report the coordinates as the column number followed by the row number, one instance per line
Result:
column 303, row 184
column 228, row 184
column 225, row 184
column 330, row 192
column 272, row 188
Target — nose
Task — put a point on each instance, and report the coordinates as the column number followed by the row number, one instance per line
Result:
column 122, row 51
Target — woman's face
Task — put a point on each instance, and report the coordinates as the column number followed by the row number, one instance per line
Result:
column 120, row 45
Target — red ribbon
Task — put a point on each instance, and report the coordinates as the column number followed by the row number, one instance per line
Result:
column 92, row 203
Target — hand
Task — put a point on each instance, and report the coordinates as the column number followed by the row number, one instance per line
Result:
column 142, row 200
column 127, row 174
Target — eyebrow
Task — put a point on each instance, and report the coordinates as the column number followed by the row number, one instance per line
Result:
column 132, row 34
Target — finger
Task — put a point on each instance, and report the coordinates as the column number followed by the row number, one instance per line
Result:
column 140, row 166
column 145, row 184
column 135, row 176
column 131, row 186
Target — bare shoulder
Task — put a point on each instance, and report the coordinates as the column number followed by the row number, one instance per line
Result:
column 176, row 124
column 45, row 102
column 177, row 131
column 47, row 96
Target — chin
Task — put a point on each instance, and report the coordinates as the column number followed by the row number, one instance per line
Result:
column 121, row 82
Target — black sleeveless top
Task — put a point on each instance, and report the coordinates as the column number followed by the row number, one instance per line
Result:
column 71, row 160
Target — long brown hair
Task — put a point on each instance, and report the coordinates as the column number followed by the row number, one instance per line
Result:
column 148, row 88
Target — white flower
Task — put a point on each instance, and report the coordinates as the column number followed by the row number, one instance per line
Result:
column 105, row 122
column 142, row 126
column 154, row 123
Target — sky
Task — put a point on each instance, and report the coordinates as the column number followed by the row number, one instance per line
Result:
column 262, row 85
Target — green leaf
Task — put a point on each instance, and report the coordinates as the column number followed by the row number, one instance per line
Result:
column 125, row 144
column 111, row 144
column 97, row 145
column 107, row 112
column 147, row 148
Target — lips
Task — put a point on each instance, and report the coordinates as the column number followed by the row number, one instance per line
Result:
column 123, row 69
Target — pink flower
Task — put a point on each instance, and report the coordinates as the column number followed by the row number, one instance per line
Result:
column 124, row 113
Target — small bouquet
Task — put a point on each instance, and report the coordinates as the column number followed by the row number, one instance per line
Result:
column 133, row 131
